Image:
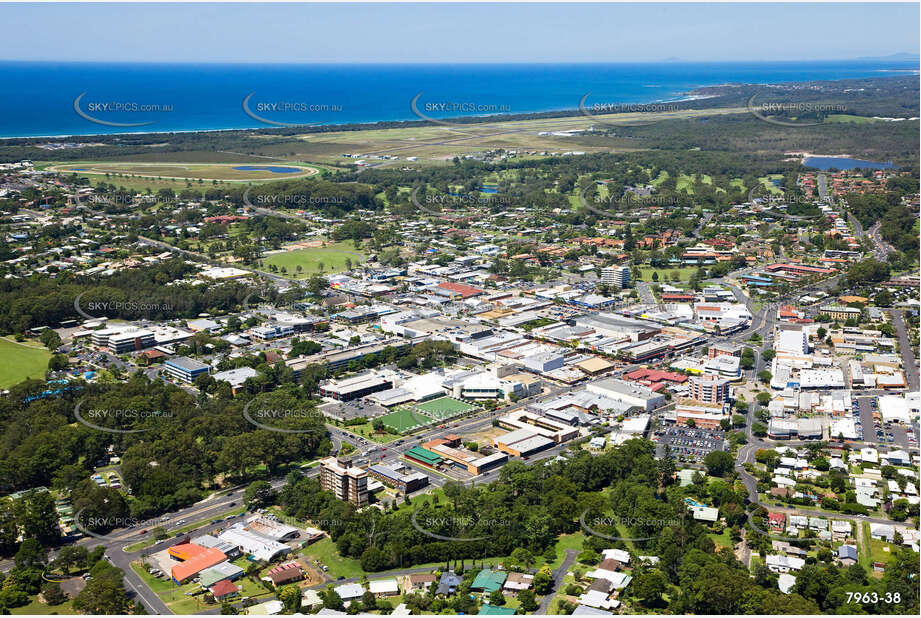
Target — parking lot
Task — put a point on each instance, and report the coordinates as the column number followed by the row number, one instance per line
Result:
column 347, row 410
column 866, row 426
column 688, row 445
column 875, row 430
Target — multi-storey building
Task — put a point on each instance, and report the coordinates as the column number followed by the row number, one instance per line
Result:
column 185, row 369
column 346, row 481
column 709, row 388
column 616, row 275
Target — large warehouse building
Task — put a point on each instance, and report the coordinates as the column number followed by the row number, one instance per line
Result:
column 628, row 393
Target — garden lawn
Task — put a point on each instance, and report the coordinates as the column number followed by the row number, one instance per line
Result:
column 327, row 553
column 665, row 273
column 332, row 257
column 21, row 361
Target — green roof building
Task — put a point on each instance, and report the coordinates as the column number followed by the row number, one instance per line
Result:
column 424, row 456
column 488, row 580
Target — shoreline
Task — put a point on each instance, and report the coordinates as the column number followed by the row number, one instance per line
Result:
column 689, row 94
column 808, row 155
column 685, row 97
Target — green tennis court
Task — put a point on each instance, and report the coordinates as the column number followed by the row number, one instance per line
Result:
column 445, row 407
column 403, row 420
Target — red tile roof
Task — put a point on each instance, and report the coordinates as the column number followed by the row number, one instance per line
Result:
column 223, row 588
column 465, row 291
column 654, row 375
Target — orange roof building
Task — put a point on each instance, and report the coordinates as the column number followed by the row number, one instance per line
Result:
column 207, row 557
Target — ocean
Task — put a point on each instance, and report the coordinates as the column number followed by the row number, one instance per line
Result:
column 59, row 99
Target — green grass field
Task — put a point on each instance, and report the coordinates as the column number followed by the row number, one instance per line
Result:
column 367, row 430
column 21, row 361
column 445, row 407
column 332, row 257
column 403, row 420
column 768, row 186
column 42, row 609
column 326, row 552
column 722, row 539
column 685, row 183
column 850, row 119
column 873, row 550
column 187, row 171
column 665, row 274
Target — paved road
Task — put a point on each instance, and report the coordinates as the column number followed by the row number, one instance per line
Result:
column 881, row 249
column 909, row 362
column 703, row 222
column 646, row 295
column 558, row 576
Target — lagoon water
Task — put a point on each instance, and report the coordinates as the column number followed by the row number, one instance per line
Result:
column 38, row 98
column 844, row 163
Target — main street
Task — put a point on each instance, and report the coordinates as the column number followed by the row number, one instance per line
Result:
column 909, row 361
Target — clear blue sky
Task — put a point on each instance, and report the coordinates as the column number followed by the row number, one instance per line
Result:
column 324, row 33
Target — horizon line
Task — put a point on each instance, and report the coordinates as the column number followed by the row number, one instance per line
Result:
column 890, row 58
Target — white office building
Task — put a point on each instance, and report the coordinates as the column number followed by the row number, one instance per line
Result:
column 628, row 393
column 616, row 275
column 256, row 545
column 792, row 341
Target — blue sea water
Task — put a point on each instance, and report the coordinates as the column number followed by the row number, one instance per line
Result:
column 844, row 163
column 44, row 98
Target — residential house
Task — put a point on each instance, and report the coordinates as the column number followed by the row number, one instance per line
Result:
column 223, row 590
column 777, row 521
column 350, row 592
column 448, row 583
column 840, row 529
column 847, row 555
column 310, row 600
column 488, row 580
column 269, row 608
column 882, row 532
column 784, row 564
column 384, row 587
column 286, row 574
column 418, row 583
column 621, row 556
column 516, row 582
